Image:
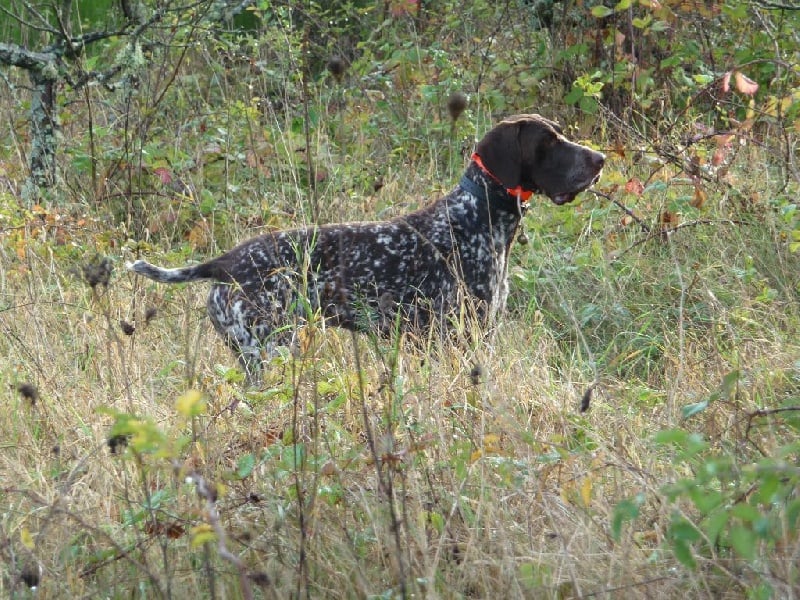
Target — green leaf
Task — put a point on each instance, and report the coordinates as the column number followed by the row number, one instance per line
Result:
column 601, row 11
column 715, row 524
column 588, row 105
column 763, row 591
column 683, row 552
column 745, row 512
column 574, row 95
column 202, row 534
column 702, row 78
column 657, row 186
column 729, row 383
column 245, row 465
column 743, row 541
column 530, row 575
column 437, row 520
column 671, row 437
column 191, row 404
column 705, row 500
column 692, row 409
column 208, row 202
column 793, row 514
column 683, row 530
column 627, row 510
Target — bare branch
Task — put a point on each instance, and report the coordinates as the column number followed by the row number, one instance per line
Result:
column 17, row 56
column 27, row 24
column 208, row 493
column 776, row 5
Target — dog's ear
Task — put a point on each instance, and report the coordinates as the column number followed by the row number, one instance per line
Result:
column 500, row 152
column 537, row 137
column 513, row 149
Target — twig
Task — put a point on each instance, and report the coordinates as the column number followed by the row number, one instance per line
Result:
column 765, row 412
column 670, row 230
column 776, row 5
column 645, row 227
column 209, row 494
column 384, row 483
column 628, row 586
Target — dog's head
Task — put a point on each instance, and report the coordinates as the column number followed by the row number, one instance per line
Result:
column 531, row 152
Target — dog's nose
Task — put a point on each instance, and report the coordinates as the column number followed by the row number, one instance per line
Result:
column 597, row 160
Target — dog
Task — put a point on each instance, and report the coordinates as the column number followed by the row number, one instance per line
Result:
column 409, row 272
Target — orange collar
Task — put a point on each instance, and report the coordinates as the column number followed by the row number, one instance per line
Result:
column 516, row 192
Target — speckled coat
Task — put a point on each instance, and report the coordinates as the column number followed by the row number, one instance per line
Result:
column 410, row 271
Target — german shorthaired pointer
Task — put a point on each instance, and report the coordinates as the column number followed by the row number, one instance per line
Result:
column 413, row 270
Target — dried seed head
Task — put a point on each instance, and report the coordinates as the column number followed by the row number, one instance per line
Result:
column 150, row 314
column 477, row 374
column 29, row 392
column 586, row 399
column 456, row 104
column 31, row 575
column 336, row 66
column 97, row 271
column 260, row 578
column 117, row 442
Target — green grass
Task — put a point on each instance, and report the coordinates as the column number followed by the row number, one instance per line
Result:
column 364, row 467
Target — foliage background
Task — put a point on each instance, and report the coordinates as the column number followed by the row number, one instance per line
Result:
column 667, row 303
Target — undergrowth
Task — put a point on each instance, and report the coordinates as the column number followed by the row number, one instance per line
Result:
column 628, row 429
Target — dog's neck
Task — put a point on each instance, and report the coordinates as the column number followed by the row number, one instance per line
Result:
column 479, row 182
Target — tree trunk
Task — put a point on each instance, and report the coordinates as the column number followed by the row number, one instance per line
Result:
column 44, row 125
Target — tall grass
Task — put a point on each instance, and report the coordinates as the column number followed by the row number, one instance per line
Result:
column 368, row 467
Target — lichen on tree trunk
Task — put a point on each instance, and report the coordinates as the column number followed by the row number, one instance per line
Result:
column 44, row 128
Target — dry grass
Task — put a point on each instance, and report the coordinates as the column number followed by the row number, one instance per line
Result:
column 365, row 468
column 490, row 483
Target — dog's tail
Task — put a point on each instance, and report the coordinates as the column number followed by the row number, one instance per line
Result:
column 193, row 273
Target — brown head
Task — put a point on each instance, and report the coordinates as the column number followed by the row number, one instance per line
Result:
column 530, row 152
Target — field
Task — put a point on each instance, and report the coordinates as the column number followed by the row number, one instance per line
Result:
column 628, row 429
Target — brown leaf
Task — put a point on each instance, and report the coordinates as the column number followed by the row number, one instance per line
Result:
column 699, row 197
column 726, row 82
column 744, row 84
column 163, row 174
column 199, row 236
column 668, row 218
column 723, row 140
column 634, row 186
